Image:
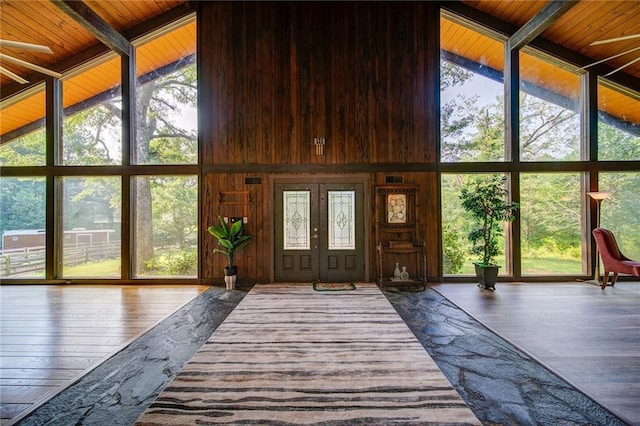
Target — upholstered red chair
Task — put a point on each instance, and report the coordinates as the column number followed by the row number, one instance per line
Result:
column 612, row 259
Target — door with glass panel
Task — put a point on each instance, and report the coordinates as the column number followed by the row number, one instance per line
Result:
column 319, row 232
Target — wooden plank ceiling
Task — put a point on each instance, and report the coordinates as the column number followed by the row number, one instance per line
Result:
column 588, row 21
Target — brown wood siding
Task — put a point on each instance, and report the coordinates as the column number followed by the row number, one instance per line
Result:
column 273, row 76
column 283, row 73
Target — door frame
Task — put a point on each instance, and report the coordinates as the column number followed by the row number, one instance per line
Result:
column 363, row 179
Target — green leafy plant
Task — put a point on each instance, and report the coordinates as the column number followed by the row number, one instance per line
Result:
column 182, row 261
column 452, row 250
column 485, row 198
column 231, row 239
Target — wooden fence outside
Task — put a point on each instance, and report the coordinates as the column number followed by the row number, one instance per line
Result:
column 32, row 259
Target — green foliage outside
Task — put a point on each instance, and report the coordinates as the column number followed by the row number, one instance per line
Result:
column 552, row 204
column 181, row 262
column 453, row 250
column 166, row 206
column 551, row 207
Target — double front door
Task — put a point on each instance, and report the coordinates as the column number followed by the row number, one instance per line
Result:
column 319, row 232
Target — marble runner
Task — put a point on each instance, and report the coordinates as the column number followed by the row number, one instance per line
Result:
column 287, row 354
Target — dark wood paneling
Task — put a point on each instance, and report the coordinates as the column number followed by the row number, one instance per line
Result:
column 253, row 260
column 273, row 76
column 280, row 74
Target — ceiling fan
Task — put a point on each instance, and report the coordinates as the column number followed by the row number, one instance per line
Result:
column 612, row 40
column 24, row 46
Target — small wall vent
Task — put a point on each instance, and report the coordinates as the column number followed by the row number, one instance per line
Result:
column 252, row 181
column 394, row 179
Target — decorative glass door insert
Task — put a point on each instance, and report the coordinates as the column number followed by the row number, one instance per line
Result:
column 297, row 226
column 342, row 220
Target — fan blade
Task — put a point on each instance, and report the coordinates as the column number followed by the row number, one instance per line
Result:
column 13, row 76
column 611, row 40
column 16, row 61
column 26, row 46
column 624, row 66
column 610, row 57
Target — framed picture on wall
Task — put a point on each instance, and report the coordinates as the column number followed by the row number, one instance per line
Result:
column 396, row 208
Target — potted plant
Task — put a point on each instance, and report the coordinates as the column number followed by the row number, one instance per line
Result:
column 485, row 198
column 231, row 239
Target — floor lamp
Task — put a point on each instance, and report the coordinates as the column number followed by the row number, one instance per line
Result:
column 598, row 196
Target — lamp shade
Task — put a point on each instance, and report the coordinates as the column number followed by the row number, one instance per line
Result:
column 599, row 195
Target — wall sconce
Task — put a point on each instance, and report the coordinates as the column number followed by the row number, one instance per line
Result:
column 319, row 143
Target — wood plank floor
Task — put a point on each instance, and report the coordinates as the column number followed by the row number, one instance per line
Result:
column 52, row 335
column 589, row 336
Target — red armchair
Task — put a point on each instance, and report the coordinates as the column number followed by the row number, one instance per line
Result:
column 612, row 259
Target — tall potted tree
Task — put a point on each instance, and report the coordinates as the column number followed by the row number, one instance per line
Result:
column 231, row 239
column 485, row 198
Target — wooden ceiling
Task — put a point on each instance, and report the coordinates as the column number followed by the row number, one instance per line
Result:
column 588, row 21
column 73, row 44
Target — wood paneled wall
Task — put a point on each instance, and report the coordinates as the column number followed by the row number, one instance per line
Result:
column 273, row 76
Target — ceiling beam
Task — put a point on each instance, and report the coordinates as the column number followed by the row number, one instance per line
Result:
column 540, row 22
column 482, row 19
column 141, row 30
column 97, row 26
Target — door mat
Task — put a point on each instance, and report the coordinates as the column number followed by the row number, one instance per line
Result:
column 334, row 286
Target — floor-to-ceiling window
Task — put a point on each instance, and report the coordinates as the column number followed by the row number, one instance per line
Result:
column 23, row 199
column 555, row 165
column 550, row 130
column 471, row 128
column 97, row 179
column 165, row 205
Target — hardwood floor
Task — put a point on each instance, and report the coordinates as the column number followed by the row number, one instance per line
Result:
column 588, row 336
column 52, row 335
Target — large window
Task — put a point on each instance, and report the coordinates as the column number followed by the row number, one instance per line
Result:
column 166, row 226
column 472, row 96
column 23, row 227
column 166, row 98
column 549, row 110
column 22, row 130
column 91, row 227
column 618, row 124
column 92, row 125
column 456, row 225
column 550, row 212
column 89, row 213
column 619, row 212
column 552, row 221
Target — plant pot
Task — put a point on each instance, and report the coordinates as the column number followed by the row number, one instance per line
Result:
column 229, row 271
column 230, row 282
column 487, row 276
column 230, row 274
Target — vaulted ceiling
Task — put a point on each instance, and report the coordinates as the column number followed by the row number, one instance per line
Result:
column 74, row 41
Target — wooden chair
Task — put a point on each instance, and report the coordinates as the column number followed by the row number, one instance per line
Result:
column 612, row 259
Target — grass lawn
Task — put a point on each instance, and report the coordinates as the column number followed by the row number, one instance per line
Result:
column 106, row 269
column 551, row 266
column 538, row 266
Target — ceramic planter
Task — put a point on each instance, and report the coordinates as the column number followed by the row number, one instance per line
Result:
column 487, row 276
